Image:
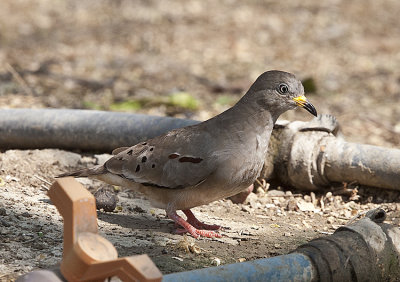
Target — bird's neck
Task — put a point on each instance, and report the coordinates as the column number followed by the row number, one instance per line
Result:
column 257, row 117
column 245, row 117
column 253, row 103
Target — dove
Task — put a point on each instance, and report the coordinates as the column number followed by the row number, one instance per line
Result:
column 198, row 164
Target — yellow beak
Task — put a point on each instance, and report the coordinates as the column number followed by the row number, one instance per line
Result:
column 302, row 101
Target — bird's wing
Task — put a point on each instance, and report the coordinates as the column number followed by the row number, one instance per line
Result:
column 178, row 159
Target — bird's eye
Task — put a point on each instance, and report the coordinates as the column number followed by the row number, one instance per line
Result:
column 283, row 88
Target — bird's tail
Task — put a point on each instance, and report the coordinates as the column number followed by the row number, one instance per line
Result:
column 86, row 172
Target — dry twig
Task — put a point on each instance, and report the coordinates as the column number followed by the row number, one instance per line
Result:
column 18, row 78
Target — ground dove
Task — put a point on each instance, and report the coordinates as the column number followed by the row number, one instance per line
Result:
column 215, row 159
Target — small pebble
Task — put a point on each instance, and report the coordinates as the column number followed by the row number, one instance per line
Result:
column 26, row 214
column 39, row 245
column 307, row 198
column 138, row 209
column 105, row 200
column 3, row 212
column 178, row 258
column 330, row 220
column 4, row 223
column 270, row 206
column 216, row 261
column 292, row 205
column 275, row 193
column 246, row 208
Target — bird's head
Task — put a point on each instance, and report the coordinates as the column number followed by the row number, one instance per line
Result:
column 279, row 91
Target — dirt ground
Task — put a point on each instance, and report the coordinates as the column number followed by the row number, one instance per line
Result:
column 192, row 59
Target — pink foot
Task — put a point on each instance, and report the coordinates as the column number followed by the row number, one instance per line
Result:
column 242, row 196
column 187, row 227
column 191, row 219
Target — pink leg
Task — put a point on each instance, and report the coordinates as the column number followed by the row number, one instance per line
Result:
column 196, row 233
column 197, row 223
column 242, row 196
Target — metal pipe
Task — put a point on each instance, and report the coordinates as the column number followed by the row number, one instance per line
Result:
column 291, row 267
column 306, row 155
column 79, row 129
column 367, row 250
column 311, row 155
column 365, row 164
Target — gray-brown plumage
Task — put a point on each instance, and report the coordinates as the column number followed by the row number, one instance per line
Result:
column 217, row 158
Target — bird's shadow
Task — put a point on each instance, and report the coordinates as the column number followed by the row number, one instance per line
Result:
column 137, row 221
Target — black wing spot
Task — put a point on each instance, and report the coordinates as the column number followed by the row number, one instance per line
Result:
column 144, row 143
column 173, row 156
column 137, row 168
column 159, row 186
column 151, row 149
column 144, row 159
column 153, row 166
column 190, row 160
column 129, row 152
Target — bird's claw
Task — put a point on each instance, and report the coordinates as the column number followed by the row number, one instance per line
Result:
column 195, row 227
column 197, row 233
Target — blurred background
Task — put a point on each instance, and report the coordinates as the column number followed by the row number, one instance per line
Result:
column 194, row 59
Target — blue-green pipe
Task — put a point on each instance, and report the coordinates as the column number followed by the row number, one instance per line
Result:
column 291, row 267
